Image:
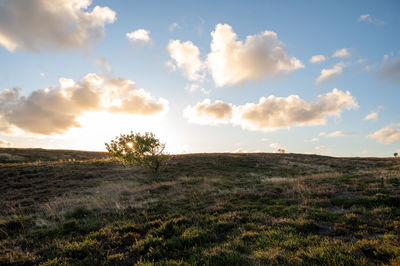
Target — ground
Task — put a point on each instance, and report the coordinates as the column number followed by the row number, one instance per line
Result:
column 71, row 207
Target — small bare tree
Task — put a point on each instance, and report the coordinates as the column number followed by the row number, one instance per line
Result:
column 395, row 154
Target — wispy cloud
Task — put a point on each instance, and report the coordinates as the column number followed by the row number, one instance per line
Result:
column 340, row 134
column 174, row 26
column 371, row 116
column 367, row 18
column 103, row 63
column 196, row 87
column 329, row 74
column 321, row 147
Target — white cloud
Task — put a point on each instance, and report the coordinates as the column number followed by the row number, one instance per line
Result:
column 187, row 58
column 371, row 116
column 341, row 53
column 56, row 25
column 54, row 110
column 387, row 135
column 274, row 112
column 317, row 59
column 321, row 147
column 139, row 37
column 390, row 69
column 340, row 134
column 233, row 61
column 5, row 144
column 66, row 83
column 367, row 18
column 173, row 26
column 209, row 113
column 329, row 75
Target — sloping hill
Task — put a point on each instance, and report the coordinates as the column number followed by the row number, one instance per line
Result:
column 78, row 207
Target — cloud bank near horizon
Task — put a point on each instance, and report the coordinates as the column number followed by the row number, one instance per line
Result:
column 55, row 110
column 273, row 112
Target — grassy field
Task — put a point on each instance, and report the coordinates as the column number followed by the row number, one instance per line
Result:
column 70, row 207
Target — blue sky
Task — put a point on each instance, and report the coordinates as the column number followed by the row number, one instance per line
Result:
column 159, row 78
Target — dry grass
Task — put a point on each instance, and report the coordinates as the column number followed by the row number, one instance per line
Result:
column 214, row 209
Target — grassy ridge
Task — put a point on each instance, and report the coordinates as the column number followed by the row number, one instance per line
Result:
column 217, row 209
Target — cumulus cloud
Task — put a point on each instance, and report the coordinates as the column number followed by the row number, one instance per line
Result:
column 206, row 112
column 232, row 61
column 54, row 110
column 340, row 134
column 367, row 18
column 371, row 116
column 387, row 135
column 341, row 53
column 5, row 144
column 329, row 75
column 277, row 112
column 139, row 37
column 273, row 112
column 186, row 57
column 317, row 59
column 390, row 69
column 36, row 25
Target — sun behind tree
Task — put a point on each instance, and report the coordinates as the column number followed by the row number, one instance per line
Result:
column 135, row 148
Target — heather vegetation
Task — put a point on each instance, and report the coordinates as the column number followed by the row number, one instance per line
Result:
column 82, row 208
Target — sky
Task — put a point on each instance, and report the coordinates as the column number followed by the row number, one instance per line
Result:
column 319, row 77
